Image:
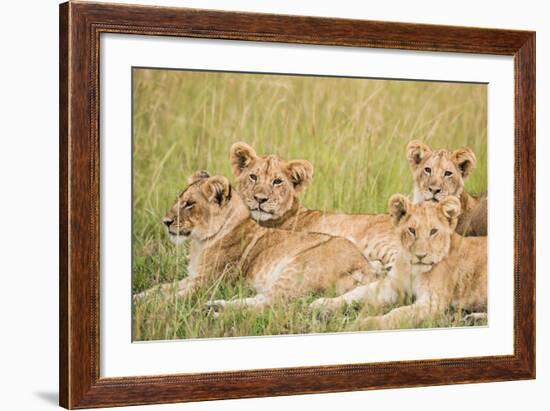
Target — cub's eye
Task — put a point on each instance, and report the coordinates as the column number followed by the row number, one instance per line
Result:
column 448, row 173
column 412, row 231
column 427, row 170
column 433, row 231
column 253, row 177
column 188, row 205
column 277, row 181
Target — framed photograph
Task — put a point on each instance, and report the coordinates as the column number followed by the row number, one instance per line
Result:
column 259, row 205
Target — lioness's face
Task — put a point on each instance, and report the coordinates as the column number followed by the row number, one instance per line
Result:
column 425, row 229
column 268, row 185
column 200, row 210
column 440, row 173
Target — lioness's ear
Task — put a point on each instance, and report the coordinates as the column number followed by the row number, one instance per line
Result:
column 465, row 160
column 241, row 156
column 197, row 175
column 450, row 208
column 300, row 172
column 398, row 207
column 217, row 189
column 416, row 152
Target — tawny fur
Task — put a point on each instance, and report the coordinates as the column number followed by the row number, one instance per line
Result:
column 435, row 266
column 441, row 173
column 278, row 264
column 270, row 188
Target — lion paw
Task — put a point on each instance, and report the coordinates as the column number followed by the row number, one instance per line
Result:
column 325, row 304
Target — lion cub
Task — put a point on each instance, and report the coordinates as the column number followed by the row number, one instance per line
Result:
column 278, row 264
column 270, row 188
column 435, row 265
column 440, row 173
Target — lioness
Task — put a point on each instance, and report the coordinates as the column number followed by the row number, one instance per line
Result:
column 435, row 265
column 270, row 187
column 440, row 173
column 279, row 264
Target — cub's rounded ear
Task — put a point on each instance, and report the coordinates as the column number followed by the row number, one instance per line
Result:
column 398, row 207
column 241, row 156
column 450, row 208
column 416, row 153
column 300, row 173
column 197, row 175
column 217, row 189
column 465, row 160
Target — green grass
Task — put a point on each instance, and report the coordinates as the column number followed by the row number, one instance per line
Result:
column 354, row 131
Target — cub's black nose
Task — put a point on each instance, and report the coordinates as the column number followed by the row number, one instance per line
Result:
column 260, row 199
column 421, row 256
column 167, row 221
column 434, row 191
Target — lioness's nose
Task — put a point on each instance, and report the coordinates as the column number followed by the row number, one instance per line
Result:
column 434, row 191
column 167, row 221
column 421, row 256
column 260, row 198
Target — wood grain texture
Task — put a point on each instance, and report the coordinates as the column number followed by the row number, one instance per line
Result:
column 80, row 27
column 63, row 205
column 525, row 203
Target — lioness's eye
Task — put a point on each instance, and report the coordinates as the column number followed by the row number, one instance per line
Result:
column 253, row 177
column 412, row 231
column 433, row 231
column 277, row 181
column 448, row 173
column 428, row 170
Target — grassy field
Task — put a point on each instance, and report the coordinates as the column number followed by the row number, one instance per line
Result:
column 354, row 131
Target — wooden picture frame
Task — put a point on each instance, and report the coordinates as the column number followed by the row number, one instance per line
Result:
column 80, row 27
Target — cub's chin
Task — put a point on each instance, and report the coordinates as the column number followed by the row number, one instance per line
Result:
column 178, row 239
column 420, row 268
column 259, row 215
